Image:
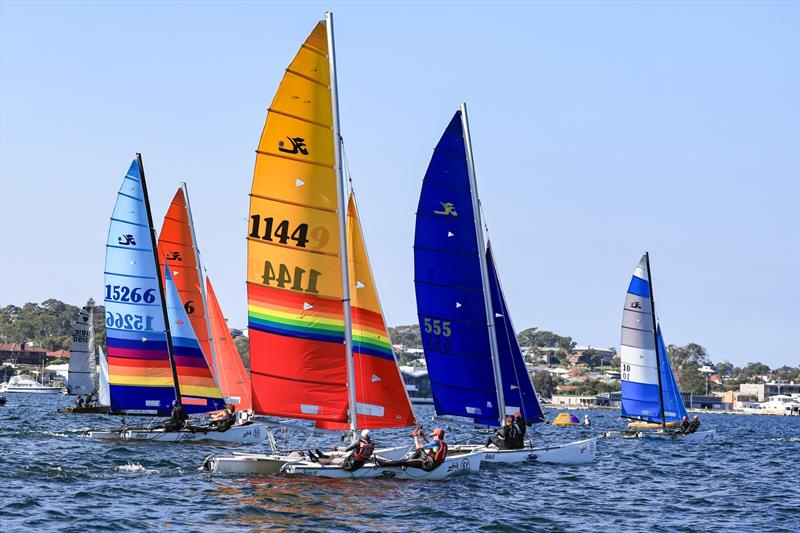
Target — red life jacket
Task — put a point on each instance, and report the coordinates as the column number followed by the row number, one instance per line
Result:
column 363, row 452
column 441, row 454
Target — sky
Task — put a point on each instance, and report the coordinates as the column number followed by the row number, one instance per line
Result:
column 599, row 129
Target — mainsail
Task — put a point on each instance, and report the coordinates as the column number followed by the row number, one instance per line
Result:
column 175, row 244
column 140, row 374
column 199, row 391
column 649, row 389
column 233, row 379
column 82, row 366
column 474, row 362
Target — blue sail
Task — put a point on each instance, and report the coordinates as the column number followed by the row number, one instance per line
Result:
column 674, row 409
column 140, row 375
column 447, row 278
column 518, row 389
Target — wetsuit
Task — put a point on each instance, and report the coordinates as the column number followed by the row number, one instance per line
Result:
column 694, row 426
column 427, row 457
column 506, row 438
column 351, row 458
column 177, row 419
column 519, row 424
column 684, row 426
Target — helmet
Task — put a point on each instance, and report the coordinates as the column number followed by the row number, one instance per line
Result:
column 365, row 434
column 438, row 432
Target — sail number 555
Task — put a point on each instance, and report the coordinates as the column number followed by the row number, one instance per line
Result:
column 437, row 327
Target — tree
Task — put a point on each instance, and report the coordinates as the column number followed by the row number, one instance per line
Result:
column 686, row 362
column 242, row 344
column 545, row 384
column 591, row 358
column 724, row 368
column 531, row 337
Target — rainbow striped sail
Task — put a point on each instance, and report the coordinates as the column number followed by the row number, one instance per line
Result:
column 140, row 375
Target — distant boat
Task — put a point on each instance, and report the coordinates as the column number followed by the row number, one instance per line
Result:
column 82, row 376
column 473, row 358
column 27, row 384
column 154, row 357
column 650, row 394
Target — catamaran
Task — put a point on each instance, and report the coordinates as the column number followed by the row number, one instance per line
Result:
column 318, row 342
column 154, row 358
column 650, row 394
column 82, row 379
column 474, row 361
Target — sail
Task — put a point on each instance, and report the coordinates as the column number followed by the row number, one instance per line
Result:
column 674, row 409
column 199, row 391
column 103, row 394
column 518, row 389
column 175, row 244
column 447, row 277
column 82, row 367
column 381, row 397
column 294, row 277
column 641, row 397
column 140, row 374
column 231, row 374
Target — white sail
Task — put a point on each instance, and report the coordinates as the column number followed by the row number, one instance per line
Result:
column 102, row 378
column 82, row 367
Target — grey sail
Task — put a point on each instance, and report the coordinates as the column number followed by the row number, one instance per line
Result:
column 82, row 365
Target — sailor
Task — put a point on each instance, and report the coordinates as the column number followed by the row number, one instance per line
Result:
column 507, row 437
column 79, row 401
column 521, row 425
column 684, row 425
column 586, row 421
column 223, row 420
column 351, row 458
column 177, row 419
column 428, row 455
column 694, row 425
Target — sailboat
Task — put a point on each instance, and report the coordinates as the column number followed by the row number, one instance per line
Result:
column 177, row 245
column 474, row 361
column 650, row 394
column 154, row 357
column 82, row 379
column 318, row 342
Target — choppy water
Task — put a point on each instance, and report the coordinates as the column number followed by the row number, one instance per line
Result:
column 747, row 479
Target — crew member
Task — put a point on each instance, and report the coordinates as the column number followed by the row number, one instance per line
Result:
column 521, row 426
column 223, row 420
column 684, row 425
column 428, row 455
column 351, row 458
column 586, row 421
column 694, row 425
column 507, row 437
column 177, row 419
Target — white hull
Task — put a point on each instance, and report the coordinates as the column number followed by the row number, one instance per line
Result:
column 573, row 453
column 468, row 463
column 247, row 434
column 696, row 436
column 266, row 464
column 32, row 390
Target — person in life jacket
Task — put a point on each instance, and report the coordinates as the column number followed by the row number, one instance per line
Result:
column 684, row 425
column 177, row 418
column 223, row 420
column 694, row 425
column 351, row 458
column 428, row 455
column 522, row 427
column 507, row 437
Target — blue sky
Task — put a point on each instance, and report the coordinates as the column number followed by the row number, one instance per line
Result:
column 599, row 130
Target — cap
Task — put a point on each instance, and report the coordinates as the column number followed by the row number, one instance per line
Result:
column 439, row 432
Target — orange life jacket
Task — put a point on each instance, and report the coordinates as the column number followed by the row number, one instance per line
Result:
column 441, row 453
column 363, row 452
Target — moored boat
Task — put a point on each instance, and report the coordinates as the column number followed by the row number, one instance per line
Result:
column 27, row 385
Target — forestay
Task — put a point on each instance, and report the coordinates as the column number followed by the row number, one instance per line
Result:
column 82, row 366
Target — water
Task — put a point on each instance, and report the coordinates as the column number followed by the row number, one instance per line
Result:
column 747, row 479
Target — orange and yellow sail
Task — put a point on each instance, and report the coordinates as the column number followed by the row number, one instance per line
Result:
column 294, row 276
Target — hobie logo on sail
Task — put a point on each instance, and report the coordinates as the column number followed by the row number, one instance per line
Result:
column 174, row 256
column 636, row 305
column 126, row 240
column 298, row 145
column 448, row 208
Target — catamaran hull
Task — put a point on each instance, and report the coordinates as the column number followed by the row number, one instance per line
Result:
column 468, row 463
column 573, row 453
column 267, row 464
column 696, row 436
column 249, row 434
column 102, row 409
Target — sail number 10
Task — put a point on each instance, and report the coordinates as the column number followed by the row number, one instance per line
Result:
column 295, row 281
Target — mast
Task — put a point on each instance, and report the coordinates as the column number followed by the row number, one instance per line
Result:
column 342, row 208
column 200, row 276
column 153, row 241
column 655, row 341
column 487, row 295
